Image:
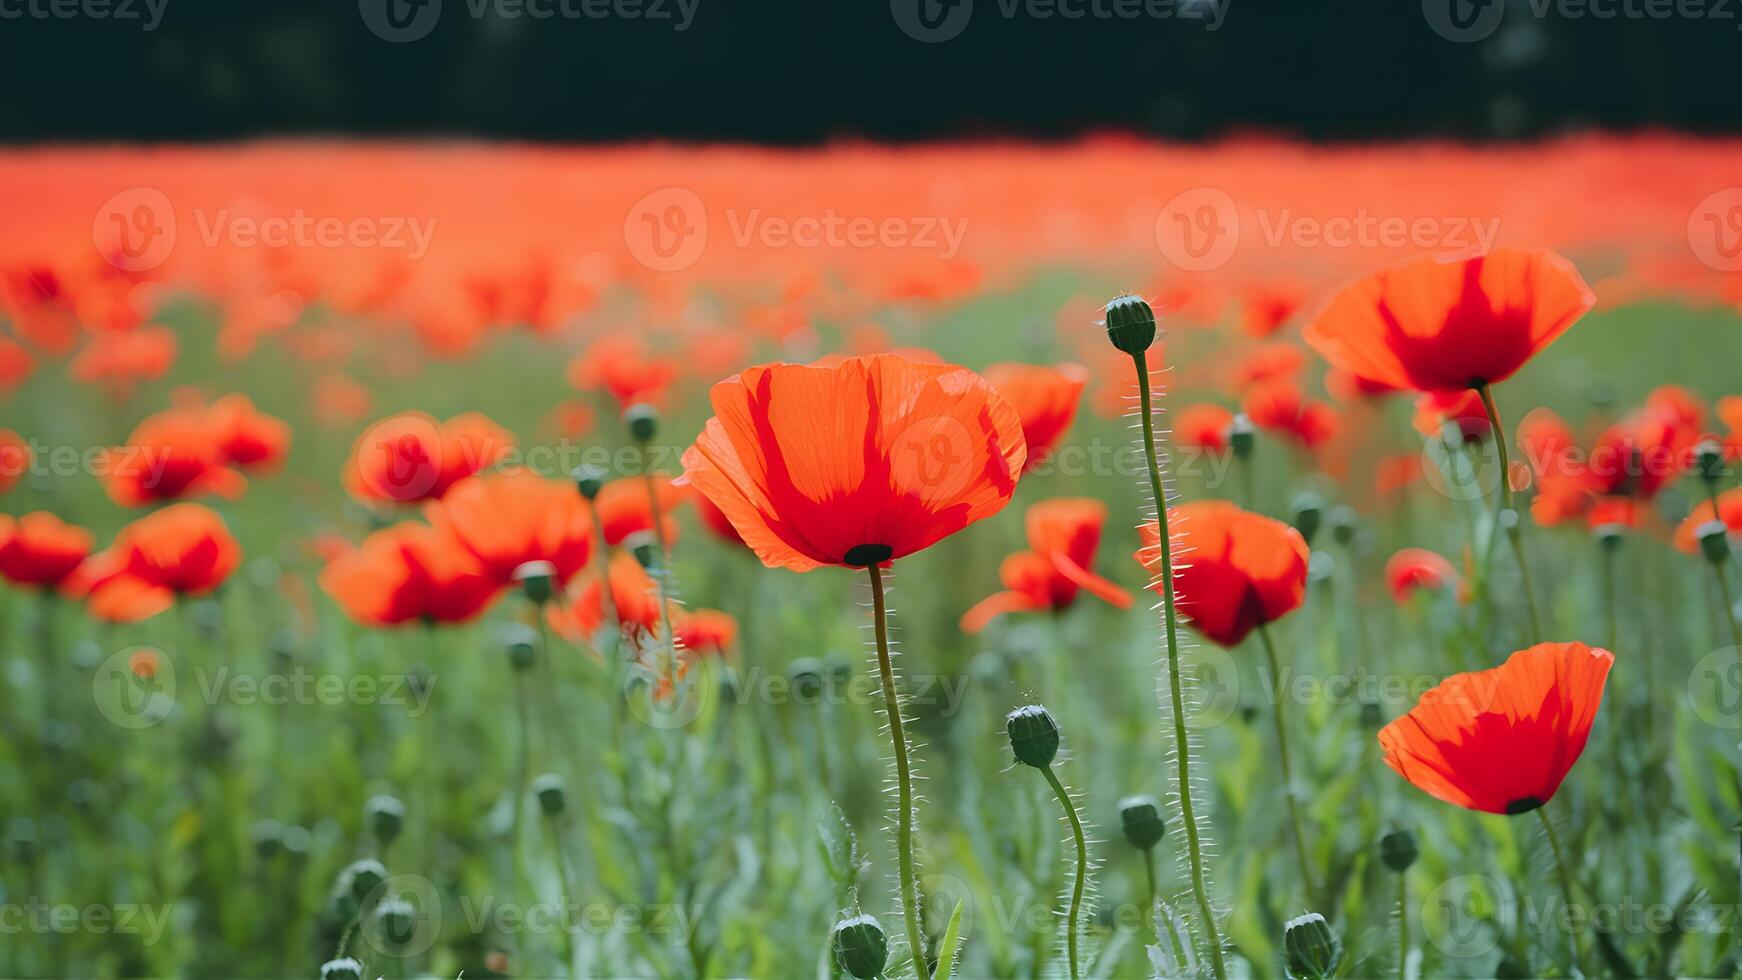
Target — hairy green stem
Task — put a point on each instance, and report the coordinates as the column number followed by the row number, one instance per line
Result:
column 1182, row 748
column 1515, row 531
column 1560, row 863
column 1402, row 925
column 903, row 777
column 1071, row 925
column 1300, row 848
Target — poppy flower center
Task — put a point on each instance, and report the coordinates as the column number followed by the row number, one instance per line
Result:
column 866, row 555
column 1522, row 805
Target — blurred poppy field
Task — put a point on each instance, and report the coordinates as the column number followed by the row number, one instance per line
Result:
column 449, row 559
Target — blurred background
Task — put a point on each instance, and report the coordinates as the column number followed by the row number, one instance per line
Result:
column 796, row 72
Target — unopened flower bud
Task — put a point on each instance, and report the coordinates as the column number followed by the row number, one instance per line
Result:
column 1714, row 541
column 1609, row 536
column 1397, row 850
column 1140, row 816
column 589, row 479
column 363, row 877
column 643, row 422
column 537, row 580
column 1034, row 736
column 22, row 839
column 645, row 547
column 398, row 921
column 268, row 837
column 518, row 639
column 1344, row 525
column 386, row 815
column 805, row 677
column 345, row 969
column 1709, row 458
column 552, row 798
column 1311, row 950
column 1242, row 436
column 860, row 946
column 1308, row 514
column 1130, row 324
column 1372, row 716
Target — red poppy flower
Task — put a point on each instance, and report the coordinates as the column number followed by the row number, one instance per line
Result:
column 634, row 599
column 1203, row 426
column 510, row 518
column 1435, row 325
column 247, row 438
column 625, row 507
column 1563, row 489
column 1266, row 307
column 170, row 455
column 858, row 464
column 705, row 631
column 1417, row 568
column 1502, row 740
column 1729, row 412
column 1642, row 453
column 181, row 550
column 1277, row 406
column 411, row 457
column 1461, row 409
column 1687, row 533
column 15, row 459
column 621, row 364
column 1274, row 361
column 409, row 572
column 1237, row 570
column 1045, row 398
column 39, row 550
column 1062, row 537
column 122, row 357
column 1349, row 388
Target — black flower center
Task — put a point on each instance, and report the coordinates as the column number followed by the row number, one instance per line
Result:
column 1522, row 805
column 866, row 555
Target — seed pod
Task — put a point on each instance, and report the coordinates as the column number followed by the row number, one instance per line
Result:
column 386, row 816
column 643, row 422
column 1397, row 850
column 363, row 877
column 1140, row 816
column 589, row 479
column 1714, row 541
column 345, row 969
column 645, row 547
column 1344, row 525
column 552, row 798
column 398, row 921
column 1311, row 950
column 1242, row 436
column 1034, row 736
column 268, row 837
column 1130, row 324
column 1308, row 514
column 860, row 946
column 518, row 639
column 537, row 580
column 805, row 678
column 1709, row 459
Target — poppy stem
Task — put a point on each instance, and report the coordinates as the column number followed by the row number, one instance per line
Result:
column 1560, row 863
column 1149, row 914
column 1071, row 925
column 1402, row 924
column 903, row 777
column 1182, row 747
column 1515, row 527
column 1300, row 849
column 1729, row 601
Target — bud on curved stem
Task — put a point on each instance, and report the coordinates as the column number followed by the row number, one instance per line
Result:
column 1034, row 738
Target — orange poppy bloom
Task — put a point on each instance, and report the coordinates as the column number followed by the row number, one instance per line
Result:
column 621, row 364
column 1643, row 453
column 1203, row 426
column 411, row 457
column 40, row 550
column 181, row 550
column 1550, row 450
column 857, row 464
column 625, row 507
column 1435, row 325
column 705, row 631
column 1687, row 533
column 247, row 438
column 1502, row 740
column 1461, row 409
column 122, row 357
column 634, row 599
column 715, row 519
column 1277, row 406
column 170, row 455
column 1238, row 570
column 409, row 572
column 508, row 519
column 1045, row 398
column 1413, row 569
column 15, row 459
column 1062, row 537
column 1274, row 361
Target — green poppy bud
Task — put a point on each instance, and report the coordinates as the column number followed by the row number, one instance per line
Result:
column 1034, row 736
column 519, row 639
column 805, row 677
column 362, row 877
column 552, row 798
column 1714, row 541
column 1140, row 816
column 1344, row 525
column 345, row 969
column 386, row 815
column 537, row 580
column 645, row 547
column 1310, row 948
column 1709, row 458
column 1308, row 514
column 268, row 838
column 1372, row 716
column 1397, row 850
column 1609, row 536
column 643, row 422
column 1242, row 436
column 1130, row 324
column 589, row 479
column 398, row 921
column 860, row 946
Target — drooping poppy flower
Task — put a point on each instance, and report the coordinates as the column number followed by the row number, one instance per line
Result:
column 1237, row 570
column 704, row 632
column 1277, row 406
column 510, row 518
column 1502, row 740
column 1203, row 426
column 409, row 573
column 181, row 550
column 247, row 438
column 40, row 550
column 625, row 507
column 1435, row 325
column 858, row 464
column 171, row 455
column 15, row 457
column 1062, row 537
column 1729, row 510
column 410, row 457
column 1045, row 398
column 1413, row 569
